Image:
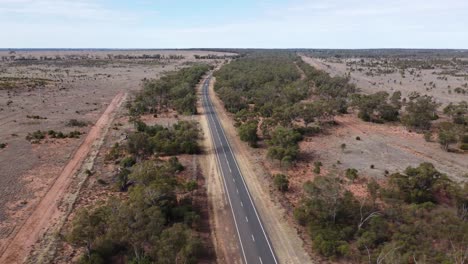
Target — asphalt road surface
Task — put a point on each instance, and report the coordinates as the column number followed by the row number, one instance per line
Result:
column 253, row 239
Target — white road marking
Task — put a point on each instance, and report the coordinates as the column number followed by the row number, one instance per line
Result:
column 242, row 204
column 246, row 219
column 213, row 113
column 250, row 198
column 227, row 192
column 261, row 262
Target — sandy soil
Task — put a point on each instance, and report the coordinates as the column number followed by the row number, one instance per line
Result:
column 48, row 208
column 394, row 82
column 286, row 241
column 387, row 147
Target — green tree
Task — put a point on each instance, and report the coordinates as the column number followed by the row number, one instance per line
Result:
column 281, row 182
column 283, row 144
column 352, row 174
column 138, row 144
column 418, row 185
column 248, row 133
column 448, row 134
column 87, row 227
column 420, row 110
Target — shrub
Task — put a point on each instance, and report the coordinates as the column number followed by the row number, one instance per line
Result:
column 352, row 174
column 175, row 164
column 114, row 153
column 127, row 162
column 102, row 182
column 248, row 132
column 464, row 138
column 283, row 145
column 428, row 136
column 464, row 146
column 3, row 145
column 36, row 136
column 281, row 182
column 76, row 123
column 358, row 138
column 317, row 166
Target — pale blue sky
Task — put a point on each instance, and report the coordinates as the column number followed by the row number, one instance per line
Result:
column 234, row 24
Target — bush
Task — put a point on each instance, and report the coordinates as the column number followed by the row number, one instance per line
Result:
column 420, row 111
column 317, row 166
column 37, row 135
column 464, row 138
column 464, row 146
column 3, row 145
column 114, row 153
column 428, row 136
column 248, row 133
column 352, row 174
column 283, row 144
column 127, row 162
column 281, row 182
column 175, row 164
column 76, row 123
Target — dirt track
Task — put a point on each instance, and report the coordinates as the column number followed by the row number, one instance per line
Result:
column 48, row 208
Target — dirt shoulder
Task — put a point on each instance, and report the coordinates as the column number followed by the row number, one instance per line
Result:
column 50, row 209
column 286, row 241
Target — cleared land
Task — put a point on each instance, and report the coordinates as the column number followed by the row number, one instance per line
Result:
column 439, row 78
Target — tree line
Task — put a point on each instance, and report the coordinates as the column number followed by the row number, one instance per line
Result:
column 268, row 95
column 152, row 215
column 175, row 90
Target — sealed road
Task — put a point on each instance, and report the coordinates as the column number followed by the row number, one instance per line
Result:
column 253, row 239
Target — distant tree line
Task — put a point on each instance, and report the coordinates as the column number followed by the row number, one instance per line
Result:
column 175, row 90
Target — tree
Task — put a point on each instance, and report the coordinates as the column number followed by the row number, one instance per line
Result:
column 177, row 244
column 417, row 185
column 373, row 189
column 352, row 174
column 122, row 179
column 448, row 134
column 281, row 182
column 376, row 107
column 283, row 144
column 138, row 144
column 248, row 132
column 420, row 110
column 458, row 112
column 87, row 226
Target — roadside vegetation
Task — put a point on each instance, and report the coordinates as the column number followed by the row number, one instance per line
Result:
column 153, row 216
column 268, row 96
column 175, row 90
column 419, row 216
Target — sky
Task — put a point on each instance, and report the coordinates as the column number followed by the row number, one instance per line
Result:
column 330, row 24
